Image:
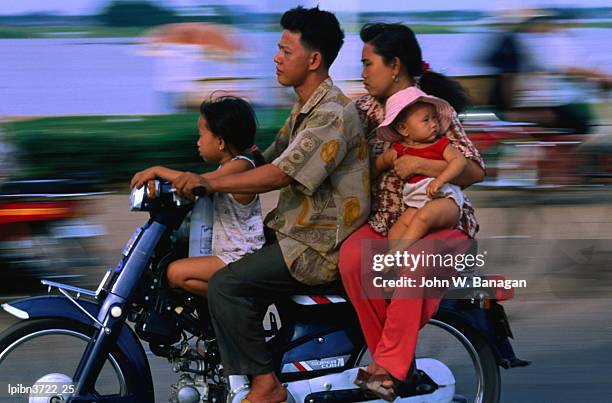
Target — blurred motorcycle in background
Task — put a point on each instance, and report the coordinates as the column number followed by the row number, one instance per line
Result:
column 523, row 155
column 553, row 105
column 46, row 231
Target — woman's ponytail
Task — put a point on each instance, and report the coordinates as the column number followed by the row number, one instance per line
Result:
column 441, row 86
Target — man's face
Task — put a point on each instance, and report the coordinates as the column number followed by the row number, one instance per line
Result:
column 292, row 60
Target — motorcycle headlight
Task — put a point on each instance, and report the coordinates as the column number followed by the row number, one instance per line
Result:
column 155, row 194
column 137, row 198
column 153, row 189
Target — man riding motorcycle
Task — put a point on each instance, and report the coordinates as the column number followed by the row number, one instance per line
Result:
column 317, row 161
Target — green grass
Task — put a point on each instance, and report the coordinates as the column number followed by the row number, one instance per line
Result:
column 115, row 147
column 595, row 25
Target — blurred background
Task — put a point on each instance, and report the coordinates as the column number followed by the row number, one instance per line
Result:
column 92, row 91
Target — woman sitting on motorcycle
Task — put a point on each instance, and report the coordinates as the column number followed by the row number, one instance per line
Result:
column 226, row 129
column 391, row 58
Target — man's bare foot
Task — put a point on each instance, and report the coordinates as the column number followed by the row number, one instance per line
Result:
column 266, row 388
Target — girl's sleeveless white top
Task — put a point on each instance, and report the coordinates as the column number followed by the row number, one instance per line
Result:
column 237, row 228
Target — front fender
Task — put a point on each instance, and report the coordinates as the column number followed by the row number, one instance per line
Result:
column 55, row 306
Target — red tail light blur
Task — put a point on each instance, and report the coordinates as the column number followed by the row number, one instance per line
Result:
column 501, row 294
column 36, row 211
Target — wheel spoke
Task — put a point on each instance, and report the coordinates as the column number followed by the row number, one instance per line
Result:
column 447, row 344
column 26, row 355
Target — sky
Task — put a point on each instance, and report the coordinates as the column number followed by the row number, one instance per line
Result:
column 84, row 7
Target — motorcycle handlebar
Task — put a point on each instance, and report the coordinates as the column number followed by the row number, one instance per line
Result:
column 199, row 191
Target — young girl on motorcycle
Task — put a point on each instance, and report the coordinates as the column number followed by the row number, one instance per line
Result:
column 226, row 129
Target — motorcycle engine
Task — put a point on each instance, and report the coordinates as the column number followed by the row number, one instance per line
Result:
column 189, row 390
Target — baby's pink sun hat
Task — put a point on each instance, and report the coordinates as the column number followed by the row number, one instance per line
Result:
column 404, row 98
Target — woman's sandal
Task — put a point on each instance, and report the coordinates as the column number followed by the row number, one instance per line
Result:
column 373, row 383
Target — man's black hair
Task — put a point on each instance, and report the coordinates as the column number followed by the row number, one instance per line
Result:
column 320, row 30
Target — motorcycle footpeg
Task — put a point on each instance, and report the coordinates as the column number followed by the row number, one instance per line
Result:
column 419, row 384
column 343, row 395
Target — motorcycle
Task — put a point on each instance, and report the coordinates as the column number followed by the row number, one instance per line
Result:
column 521, row 155
column 45, row 229
column 91, row 354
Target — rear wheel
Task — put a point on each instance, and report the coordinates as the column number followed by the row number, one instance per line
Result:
column 465, row 353
column 52, row 348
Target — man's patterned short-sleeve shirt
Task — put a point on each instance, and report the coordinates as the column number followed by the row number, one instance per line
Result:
column 323, row 148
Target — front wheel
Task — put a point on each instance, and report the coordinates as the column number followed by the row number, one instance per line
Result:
column 51, row 349
column 465, row 353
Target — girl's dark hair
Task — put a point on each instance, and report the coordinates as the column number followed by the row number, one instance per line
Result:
column 397, row 40
column 233, row 120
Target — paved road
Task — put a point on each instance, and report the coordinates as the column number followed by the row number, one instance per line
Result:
column 562, row 321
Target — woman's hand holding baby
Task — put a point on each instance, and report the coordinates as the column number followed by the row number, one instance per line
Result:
column 389, row 158
column 385, row 161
